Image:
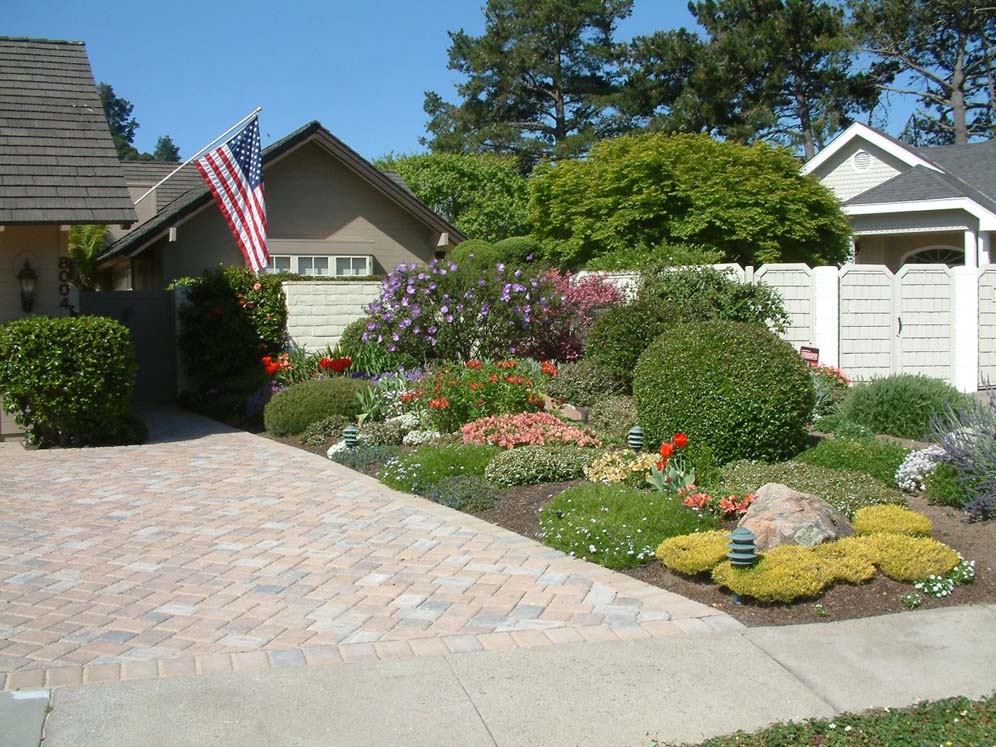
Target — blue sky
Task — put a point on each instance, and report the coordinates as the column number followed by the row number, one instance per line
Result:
column 194, row 68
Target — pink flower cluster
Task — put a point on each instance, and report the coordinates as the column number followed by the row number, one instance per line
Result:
column 527, row 429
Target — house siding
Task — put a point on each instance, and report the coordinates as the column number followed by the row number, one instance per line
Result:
column 310, row 196
column 845, row 181
column 42, row 246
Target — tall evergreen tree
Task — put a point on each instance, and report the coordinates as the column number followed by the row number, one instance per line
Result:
column 941, row 53
column 166, row 150
column 119, row 120
column 539, row 81
column 777, row 70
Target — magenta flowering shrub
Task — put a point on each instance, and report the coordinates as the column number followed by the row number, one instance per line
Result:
column 568, row 325
column 527, row 429
column 438, row 311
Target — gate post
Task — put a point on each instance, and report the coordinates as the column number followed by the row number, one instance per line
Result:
column 965, row 345
column 826, row 314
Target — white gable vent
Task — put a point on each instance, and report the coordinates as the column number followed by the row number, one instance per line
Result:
column 862, row 160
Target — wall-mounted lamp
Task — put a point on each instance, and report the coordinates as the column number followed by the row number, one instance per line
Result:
column 26, row 279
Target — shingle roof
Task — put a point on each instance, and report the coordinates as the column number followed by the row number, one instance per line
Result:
column 149, row 173
column 190, row 201
column 921, row 183
column 57, row 160
column 974, row 163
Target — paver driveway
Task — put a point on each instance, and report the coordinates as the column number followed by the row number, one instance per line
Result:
column 211, row 549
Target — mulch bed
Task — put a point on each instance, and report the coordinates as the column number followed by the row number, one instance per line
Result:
column 518, row 510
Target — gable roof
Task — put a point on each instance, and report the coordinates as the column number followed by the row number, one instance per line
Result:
column 57, row 159
column 900, row 150
column 146, row 174
column 920, row 184
column 194, row 199
column 974, row 163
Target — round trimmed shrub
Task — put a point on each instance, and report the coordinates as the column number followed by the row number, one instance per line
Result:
column 471, row 249
column 908, row 559
column 531, row 465
column 620, row 335
column 468, row 493
column 69, row 381
column 900, row 405
column 692, row 554
column 736, row 387
column 891, row 520
column 783, row 574
column 583, row 383
column 298, row 406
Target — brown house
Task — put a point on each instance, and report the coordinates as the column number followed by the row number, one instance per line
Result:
column 329, row 213
column 58, row 167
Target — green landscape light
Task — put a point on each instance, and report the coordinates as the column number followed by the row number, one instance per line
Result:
column 635, row 438
column 351, row 434
column 743, row 552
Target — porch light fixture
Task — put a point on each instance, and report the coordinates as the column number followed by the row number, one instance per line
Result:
column 26, row 279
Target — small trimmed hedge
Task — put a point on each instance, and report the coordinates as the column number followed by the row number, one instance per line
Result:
column 531, row 465
column 736, row 387
column 869, row 455
column 891, row 520
column 69, row 381
column 292, row 410
column 901, row 405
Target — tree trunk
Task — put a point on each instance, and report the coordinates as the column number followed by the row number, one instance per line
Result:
column 805, row 123
column 959, row 109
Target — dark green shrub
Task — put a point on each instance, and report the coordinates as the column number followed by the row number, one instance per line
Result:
column 612, row 417
column 532, row 465
column 231, row 318
column 516, row 250
column 620, row 335
column 322, row 433
column 295, row 408
column 836, row 425
column 735, row 387
column 868, row 455
column 944, row 487
column 582, row 383
column 615, row 525
column 419, row 470
column 472, row 249
column 708, row 293
column 464, row 493
column 365, row 456
column 901, row 405
column 69, row 381
column 475, row 253
column 372, row 360
column 845, row 491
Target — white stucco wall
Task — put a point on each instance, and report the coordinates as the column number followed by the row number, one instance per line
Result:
column 318, row 312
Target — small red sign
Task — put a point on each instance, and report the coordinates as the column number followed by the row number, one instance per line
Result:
column 810, row 354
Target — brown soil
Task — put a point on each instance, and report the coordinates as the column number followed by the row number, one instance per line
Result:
column 518, row 510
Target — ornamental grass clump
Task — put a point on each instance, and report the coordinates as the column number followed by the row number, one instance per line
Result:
column 891, row 520
column 901, row 405
column 968, row 438
column 735, row 387
column 531, row 465
column 527, row 429
column 697, row 553
column 614, row 525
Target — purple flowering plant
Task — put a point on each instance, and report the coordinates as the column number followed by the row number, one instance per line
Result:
column 442, row 312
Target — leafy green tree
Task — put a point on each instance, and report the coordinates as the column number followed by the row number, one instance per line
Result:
column 85, row 245
column 941, row 53
column 482, row 195
column 166, row 150
column 778, row 70
column 749, row 203
column 538, row 82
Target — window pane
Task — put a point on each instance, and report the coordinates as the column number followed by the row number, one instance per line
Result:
column 304, row 266
column 341, row 266
column 321, row 265
column 280, row 264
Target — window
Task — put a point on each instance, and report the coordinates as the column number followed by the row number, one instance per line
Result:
column 322, row 265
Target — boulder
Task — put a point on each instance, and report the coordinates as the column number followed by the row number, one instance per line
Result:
column 780, row 515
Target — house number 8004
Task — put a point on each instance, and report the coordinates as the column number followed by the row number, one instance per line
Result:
column 65, row 275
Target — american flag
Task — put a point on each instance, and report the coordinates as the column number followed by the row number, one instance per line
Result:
column 234, row 172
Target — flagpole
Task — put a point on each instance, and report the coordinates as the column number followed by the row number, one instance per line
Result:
column 235, row 126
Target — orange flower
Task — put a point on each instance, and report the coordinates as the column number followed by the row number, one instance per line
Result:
column 474, row 364
column 667, row 449
column 440, row 403
column 680, row 440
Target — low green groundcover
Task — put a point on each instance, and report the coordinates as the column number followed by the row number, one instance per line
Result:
column 955, row 722
column 869, row 455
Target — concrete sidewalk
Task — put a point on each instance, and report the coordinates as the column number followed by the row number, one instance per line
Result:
column 607, row 693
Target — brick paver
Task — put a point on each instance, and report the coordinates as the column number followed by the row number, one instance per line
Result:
column 212, row 550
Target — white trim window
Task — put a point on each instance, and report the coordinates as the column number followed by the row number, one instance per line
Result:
column 323, row 265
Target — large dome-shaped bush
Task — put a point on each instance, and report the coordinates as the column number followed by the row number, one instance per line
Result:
column 736, row 387
column 620, row 334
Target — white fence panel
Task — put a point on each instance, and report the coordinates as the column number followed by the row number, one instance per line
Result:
column 795, row 284
column 925, row 314
column 318, row 311
column 987, row 326
column 867, row 325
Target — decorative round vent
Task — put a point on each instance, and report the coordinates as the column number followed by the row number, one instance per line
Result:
column 937, row 255
column 862, row 160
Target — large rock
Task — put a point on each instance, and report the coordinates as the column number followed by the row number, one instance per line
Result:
column 782, row 516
